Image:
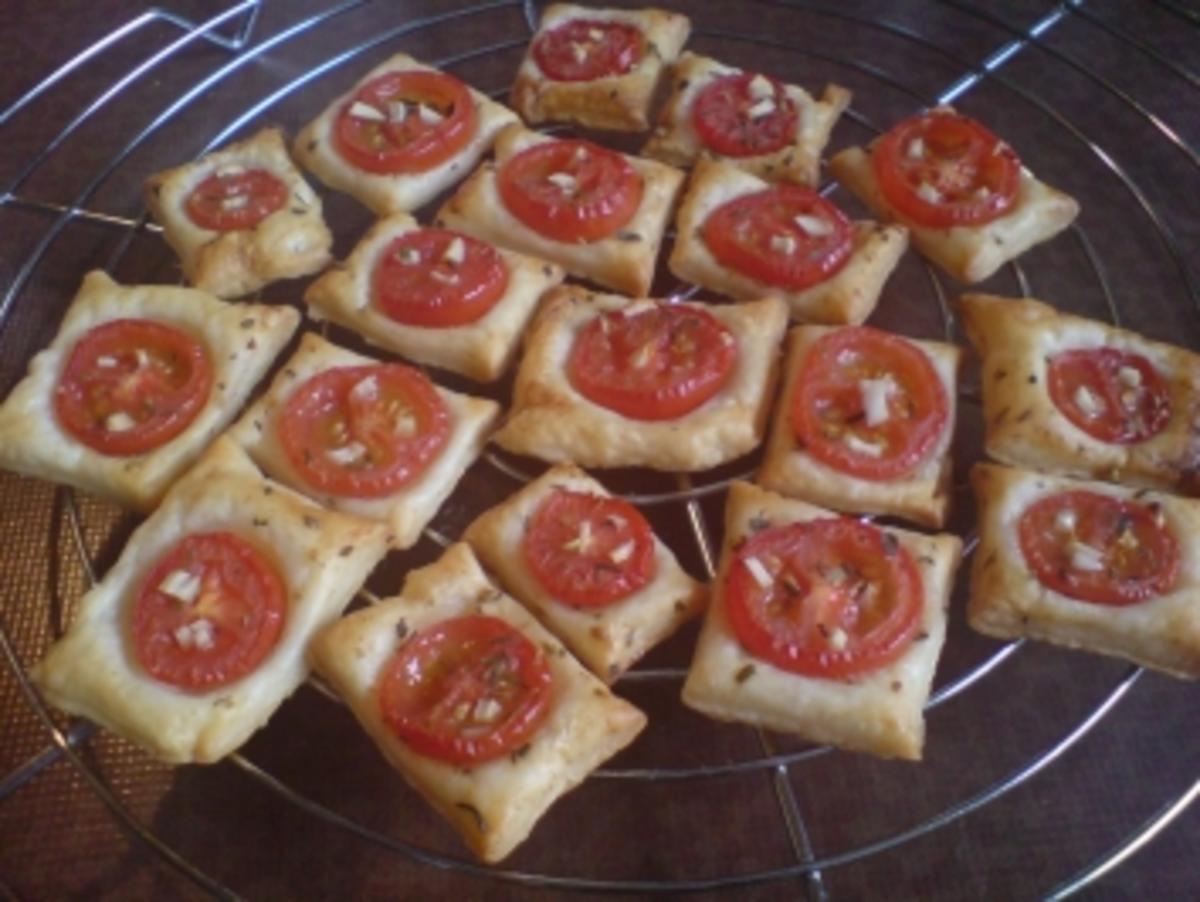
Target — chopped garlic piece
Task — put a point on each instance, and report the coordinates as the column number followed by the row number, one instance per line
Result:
column 119, row 422
column 487, row 710
column 105, row 362
column 760, row 86
column 448, row 278
column 764, row 107
column 579, row 51
column 580, row 153
column 405, row 424
column 182, row 585
column 366, row 389
column 595, row 34
column 1089, row 403
column 983, row 192
column 1086, row 558
column 409, row 256
column 563, row 180
column 360, row 110
column 143, row 357
column 622, row 553
column 583, row 540
column 347, row 454
column 1130, row 376
column 397, row 111
column 761, row 574
column 197, row 634
column 875, row 396
column 1065, row 520
column 837, row 638
column 928, row 193
column 915, row 149
column 644, row 355
column 235, row 202
column 428, row 114
column 858, row 446
column 229, row 170
column 814, row 225
column 783, row 244
column 456, row 252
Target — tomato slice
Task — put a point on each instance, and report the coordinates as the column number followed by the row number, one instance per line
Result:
column 209, row 612
column 586, row 49
column 744, row 115
column 404, row 122
column 364, row 431
column 1098, row 548
column 652, row 364
column 787, row 235
column 438, row 278
column 234, row 198
column 940, row 169
column 868, row 403
column 589, row 551
column 1114, row 396
column 826, row 598
column 570, row 190
column 466, row 690
column 131, row 385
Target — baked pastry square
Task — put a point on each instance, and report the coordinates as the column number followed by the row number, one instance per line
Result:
column 623, row 261
column 1123, row 567
column 605, row 65
column 607, row 638
column 552, row 420
column 97, row 670
column 847, row 296
column 879, row 711
column 406, row 510
column 676, row 141
column 1075, row 396
column 496, row 803
column 239, row 343
column 236, row 246
column 921, row 495
column 481, row 349
column 401, row 191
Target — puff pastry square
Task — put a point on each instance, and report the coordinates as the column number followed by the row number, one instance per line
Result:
column 608, row 639
column 1016, row 338
column 292, row 242
column 675, row 140
column 922, row 497
column 616, row 102
column 624, row 261
column 846, row 297
column 406, row 512
column 481, row 350
column 1008, row 601
column 879, row 712
column 322, row 557
column 242, row 342
column 397, row 192
column 494, row 805
column 552, row 421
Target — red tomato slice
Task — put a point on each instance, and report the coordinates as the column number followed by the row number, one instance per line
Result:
column 1114, row 396
column 131, row 385
column 585, row 49
column 940, row 169
column 868, row 403
column 570, row 190
column 589, row 551
column 364, row 431
column 403, row 122
column 654, row 364
column 825, row 598
column 745, row 115
column 466, row 690
column 236, row 200
column 438, row 278
column 210, row 611
column 1098, row 548
column 787, row 235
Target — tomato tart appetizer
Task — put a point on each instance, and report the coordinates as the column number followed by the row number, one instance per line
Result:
column 1088, row 565
column 137, row 382
column 482, row 711
column 241, row 217
column 589, row 567
column 436, row 296
column 823, row 626
column 968, row 201
column 599, row 68
column 375, row 439
column 751, row 120
column 746, row 238
column 198, row 632
column 865, row 423
column 610, row 382
column 1071, row 395
column 401, row 136
column 599, row 214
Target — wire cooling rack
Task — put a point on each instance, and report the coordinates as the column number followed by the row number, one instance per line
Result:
column 1044, row 772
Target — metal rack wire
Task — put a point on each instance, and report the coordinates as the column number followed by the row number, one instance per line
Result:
column 233, row 33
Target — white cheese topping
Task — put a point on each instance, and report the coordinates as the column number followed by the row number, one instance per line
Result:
column 579, row 51
column 621, row 553
column 761, row 574
column 106, row 362
column 760, row 86
column 644, row 355
column 448, row 278
column 119, row 422
column 1088, row 402
column 181, row 585
column 595, row 34
column 783, row 244
column 366, row 389
column 428, row 114
column 837, row 638
column 764, row 107
column 983, row 192
column 1065, row 520
column 397, row 111
column 875, row 396
column 1086, row 558
column 582, row 540
column 235, row 202
column 347, row 454
column 360, row 110
column 229, row 170
column 197, row 634
column 487, row 710
column 563, row 180
column 928, row 193
column 1130, row 376
column 915, row 149
column 456, row 252
column 858, row 446
column 814, row 225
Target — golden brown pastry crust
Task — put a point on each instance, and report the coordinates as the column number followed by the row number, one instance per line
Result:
column 322, row 557
column 550, row 420
column 618, row 102
column 493, row 805
column 1015, row 337
column 242, row 341
column 1007, row 601
column 292, row 242
column 879, row 712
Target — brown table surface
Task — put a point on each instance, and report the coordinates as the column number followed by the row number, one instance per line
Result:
column 1122, row 77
